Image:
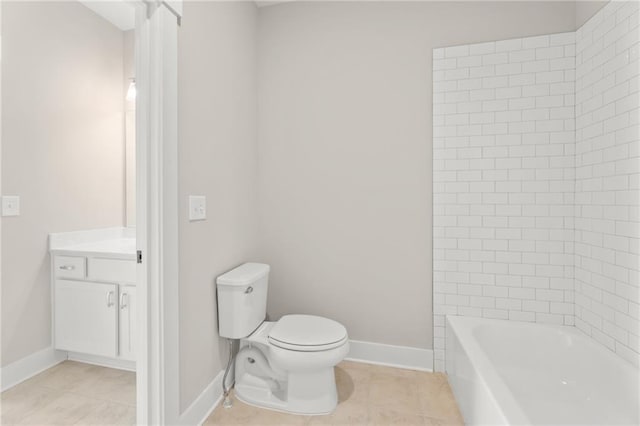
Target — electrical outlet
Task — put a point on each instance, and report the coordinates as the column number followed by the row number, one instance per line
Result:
column 10, row 205
column 197, row 207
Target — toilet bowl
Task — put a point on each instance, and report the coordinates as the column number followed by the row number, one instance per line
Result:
column 286, row 365
column 306, row 342
column 298, row 375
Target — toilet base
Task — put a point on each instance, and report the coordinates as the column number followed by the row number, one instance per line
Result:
column 308, row 393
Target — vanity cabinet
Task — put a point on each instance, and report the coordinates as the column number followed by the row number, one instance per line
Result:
column 86, row 317
column 95, row 306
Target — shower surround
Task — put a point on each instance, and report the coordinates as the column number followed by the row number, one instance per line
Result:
column 535, row 169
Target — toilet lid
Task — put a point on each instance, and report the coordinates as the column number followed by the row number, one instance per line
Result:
column 307, row 332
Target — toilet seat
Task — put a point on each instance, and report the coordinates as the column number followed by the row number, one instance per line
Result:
column 307, row 333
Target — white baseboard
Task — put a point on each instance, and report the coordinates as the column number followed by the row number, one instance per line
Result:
column 103, row 361
column 390, row 355
column 29, row 366
column 204, row 404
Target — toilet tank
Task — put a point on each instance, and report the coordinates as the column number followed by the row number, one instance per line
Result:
column 242, row 299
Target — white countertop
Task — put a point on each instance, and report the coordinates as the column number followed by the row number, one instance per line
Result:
column 116, row 243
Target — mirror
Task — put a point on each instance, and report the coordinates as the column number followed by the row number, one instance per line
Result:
column 130, row 128
column 121, row 14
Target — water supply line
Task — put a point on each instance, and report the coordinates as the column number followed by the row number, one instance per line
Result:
column 225, row 391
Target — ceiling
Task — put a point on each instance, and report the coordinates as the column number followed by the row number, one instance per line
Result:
column 263, row 3
column 122, row 14
column 118, row 12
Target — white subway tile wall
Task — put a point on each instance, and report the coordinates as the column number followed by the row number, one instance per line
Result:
column 503, row 149
column 607, row 224
column 512, row 223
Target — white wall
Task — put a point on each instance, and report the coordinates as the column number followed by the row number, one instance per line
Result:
column 62, row 150
column 218, row 159
column 607, row 262
column 345, row 152
column 503, row 162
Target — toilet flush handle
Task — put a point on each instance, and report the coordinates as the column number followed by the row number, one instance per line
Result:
column 248, row 290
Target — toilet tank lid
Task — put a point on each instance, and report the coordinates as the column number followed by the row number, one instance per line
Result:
column 244, row 274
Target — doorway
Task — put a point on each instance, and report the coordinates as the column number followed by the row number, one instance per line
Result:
column 146, row 204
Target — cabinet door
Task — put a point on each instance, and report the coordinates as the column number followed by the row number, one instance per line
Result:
column 86, row 317
column 127, row 323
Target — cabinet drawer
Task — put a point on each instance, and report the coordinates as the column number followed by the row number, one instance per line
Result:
column 112, row 270
column 69, row 267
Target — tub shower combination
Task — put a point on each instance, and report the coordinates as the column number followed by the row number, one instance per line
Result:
column 536, row 269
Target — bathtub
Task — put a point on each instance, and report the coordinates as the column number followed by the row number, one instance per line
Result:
column 514, row 373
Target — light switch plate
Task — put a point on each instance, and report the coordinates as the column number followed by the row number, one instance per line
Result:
column 197, row 207
column 10, row 205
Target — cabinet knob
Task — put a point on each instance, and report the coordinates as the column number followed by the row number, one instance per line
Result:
column 67, row 267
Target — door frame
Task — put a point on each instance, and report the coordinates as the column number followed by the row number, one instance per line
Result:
column 157, row 378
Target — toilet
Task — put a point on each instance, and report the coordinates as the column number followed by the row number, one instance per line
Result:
column 285, row 365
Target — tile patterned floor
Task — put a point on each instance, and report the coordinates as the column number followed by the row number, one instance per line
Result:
column 72, row 393
column 368, row 395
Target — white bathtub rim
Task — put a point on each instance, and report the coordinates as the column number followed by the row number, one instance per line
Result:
column 486, row 371
column 498, row 415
